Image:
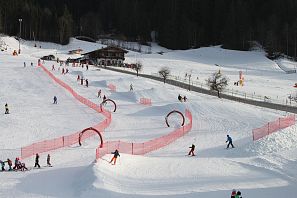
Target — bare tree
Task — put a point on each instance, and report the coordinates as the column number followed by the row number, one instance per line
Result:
column 164, row 72
column 217, row 82
column 138, row 67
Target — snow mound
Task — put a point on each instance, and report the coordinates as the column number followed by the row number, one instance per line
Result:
column 283, row 140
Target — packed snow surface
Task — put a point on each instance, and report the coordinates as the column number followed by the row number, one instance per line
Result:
column 265, row 168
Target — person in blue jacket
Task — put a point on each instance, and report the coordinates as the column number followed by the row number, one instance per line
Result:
column 229, row 139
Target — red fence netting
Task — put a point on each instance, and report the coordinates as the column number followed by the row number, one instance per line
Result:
column 146, row 101
column 68, row 140
column 274, row 126
column 145, row 147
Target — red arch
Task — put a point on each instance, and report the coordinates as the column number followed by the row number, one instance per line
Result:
column 104, row 101
column 175, row 111
column 93, row 129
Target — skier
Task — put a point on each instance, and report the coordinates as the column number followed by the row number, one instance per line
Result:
column 233, row 193
column 131, row 87
column 99, row 93
column 66, row 71
column 37, row 161
column 16, row 164
column 2, row 165
column 115, row 155
column 9, row 162
column 81, row 81
column 179, row 97
column 24, row 64
column 87, row 67
column 78, row 78
column 31, row 64
column 238, row 195
column 63, row 71
column 55, row 100
column 185, row 99
column 48, row 160
column 229, row 139
column 87, row 83
column 53, row 67
column 6, row 109
column 23, row 166
column 192, row 150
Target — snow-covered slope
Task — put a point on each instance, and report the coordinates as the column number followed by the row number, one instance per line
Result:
column 259, row 169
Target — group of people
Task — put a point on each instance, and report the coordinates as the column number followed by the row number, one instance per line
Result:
column 229, row 141
column 235, row 194
column 81, row 79
column 182, row 99
column 18, row 165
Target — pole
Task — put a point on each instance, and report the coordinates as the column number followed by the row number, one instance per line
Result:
column 20, row 20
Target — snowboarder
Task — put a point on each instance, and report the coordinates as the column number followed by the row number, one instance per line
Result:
column 192, row 150
column 87, row 83
column 55, row 100
column 131, row 87
column 48, row 160
column 115, row 155
column 2, row 165
column 78, row 78
column 53, row 67
column 37, row 161
column 238, row 195
column 229, row 139
column 6, row 109
column 179, row 97
column 233, row 193
column 99, row 93
column 9, row 162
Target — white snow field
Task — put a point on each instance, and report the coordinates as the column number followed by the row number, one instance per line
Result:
column 265, row 168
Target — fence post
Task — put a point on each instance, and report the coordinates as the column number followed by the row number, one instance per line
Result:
column 132, row 149
column 63, row 141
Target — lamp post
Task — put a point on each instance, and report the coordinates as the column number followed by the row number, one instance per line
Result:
column 20, row 20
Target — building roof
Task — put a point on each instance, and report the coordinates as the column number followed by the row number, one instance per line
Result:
column 108, row 49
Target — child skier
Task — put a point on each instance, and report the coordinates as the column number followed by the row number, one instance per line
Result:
column 48, row 159
column 6, row 109
column 131, row 87
column 37, row 160
column 2, row 165
column 229, row 139
column 55, row 100
column 192, row 150
column 9, row 162
column 99, row 93
column 115, row 155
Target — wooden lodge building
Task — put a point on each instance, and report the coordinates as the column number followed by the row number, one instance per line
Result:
column 108, row 56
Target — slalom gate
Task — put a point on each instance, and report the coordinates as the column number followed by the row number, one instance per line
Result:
column 145, row 147
column 60, row 142
column 274, row 126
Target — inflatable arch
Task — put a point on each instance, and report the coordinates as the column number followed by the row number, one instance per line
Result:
column 175, row 111
column 105, row 101
column 93, row 129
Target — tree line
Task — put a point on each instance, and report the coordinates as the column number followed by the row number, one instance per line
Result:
column 178, row 24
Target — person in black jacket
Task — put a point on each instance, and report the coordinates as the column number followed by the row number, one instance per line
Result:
column 115, row 155
column 37, row 161
column 192, row 150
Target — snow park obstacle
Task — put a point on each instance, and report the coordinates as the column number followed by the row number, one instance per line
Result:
column 105, row 101
column 175, row 111
column 90, row 129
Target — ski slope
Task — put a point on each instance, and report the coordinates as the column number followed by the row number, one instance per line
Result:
column 265, row 168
